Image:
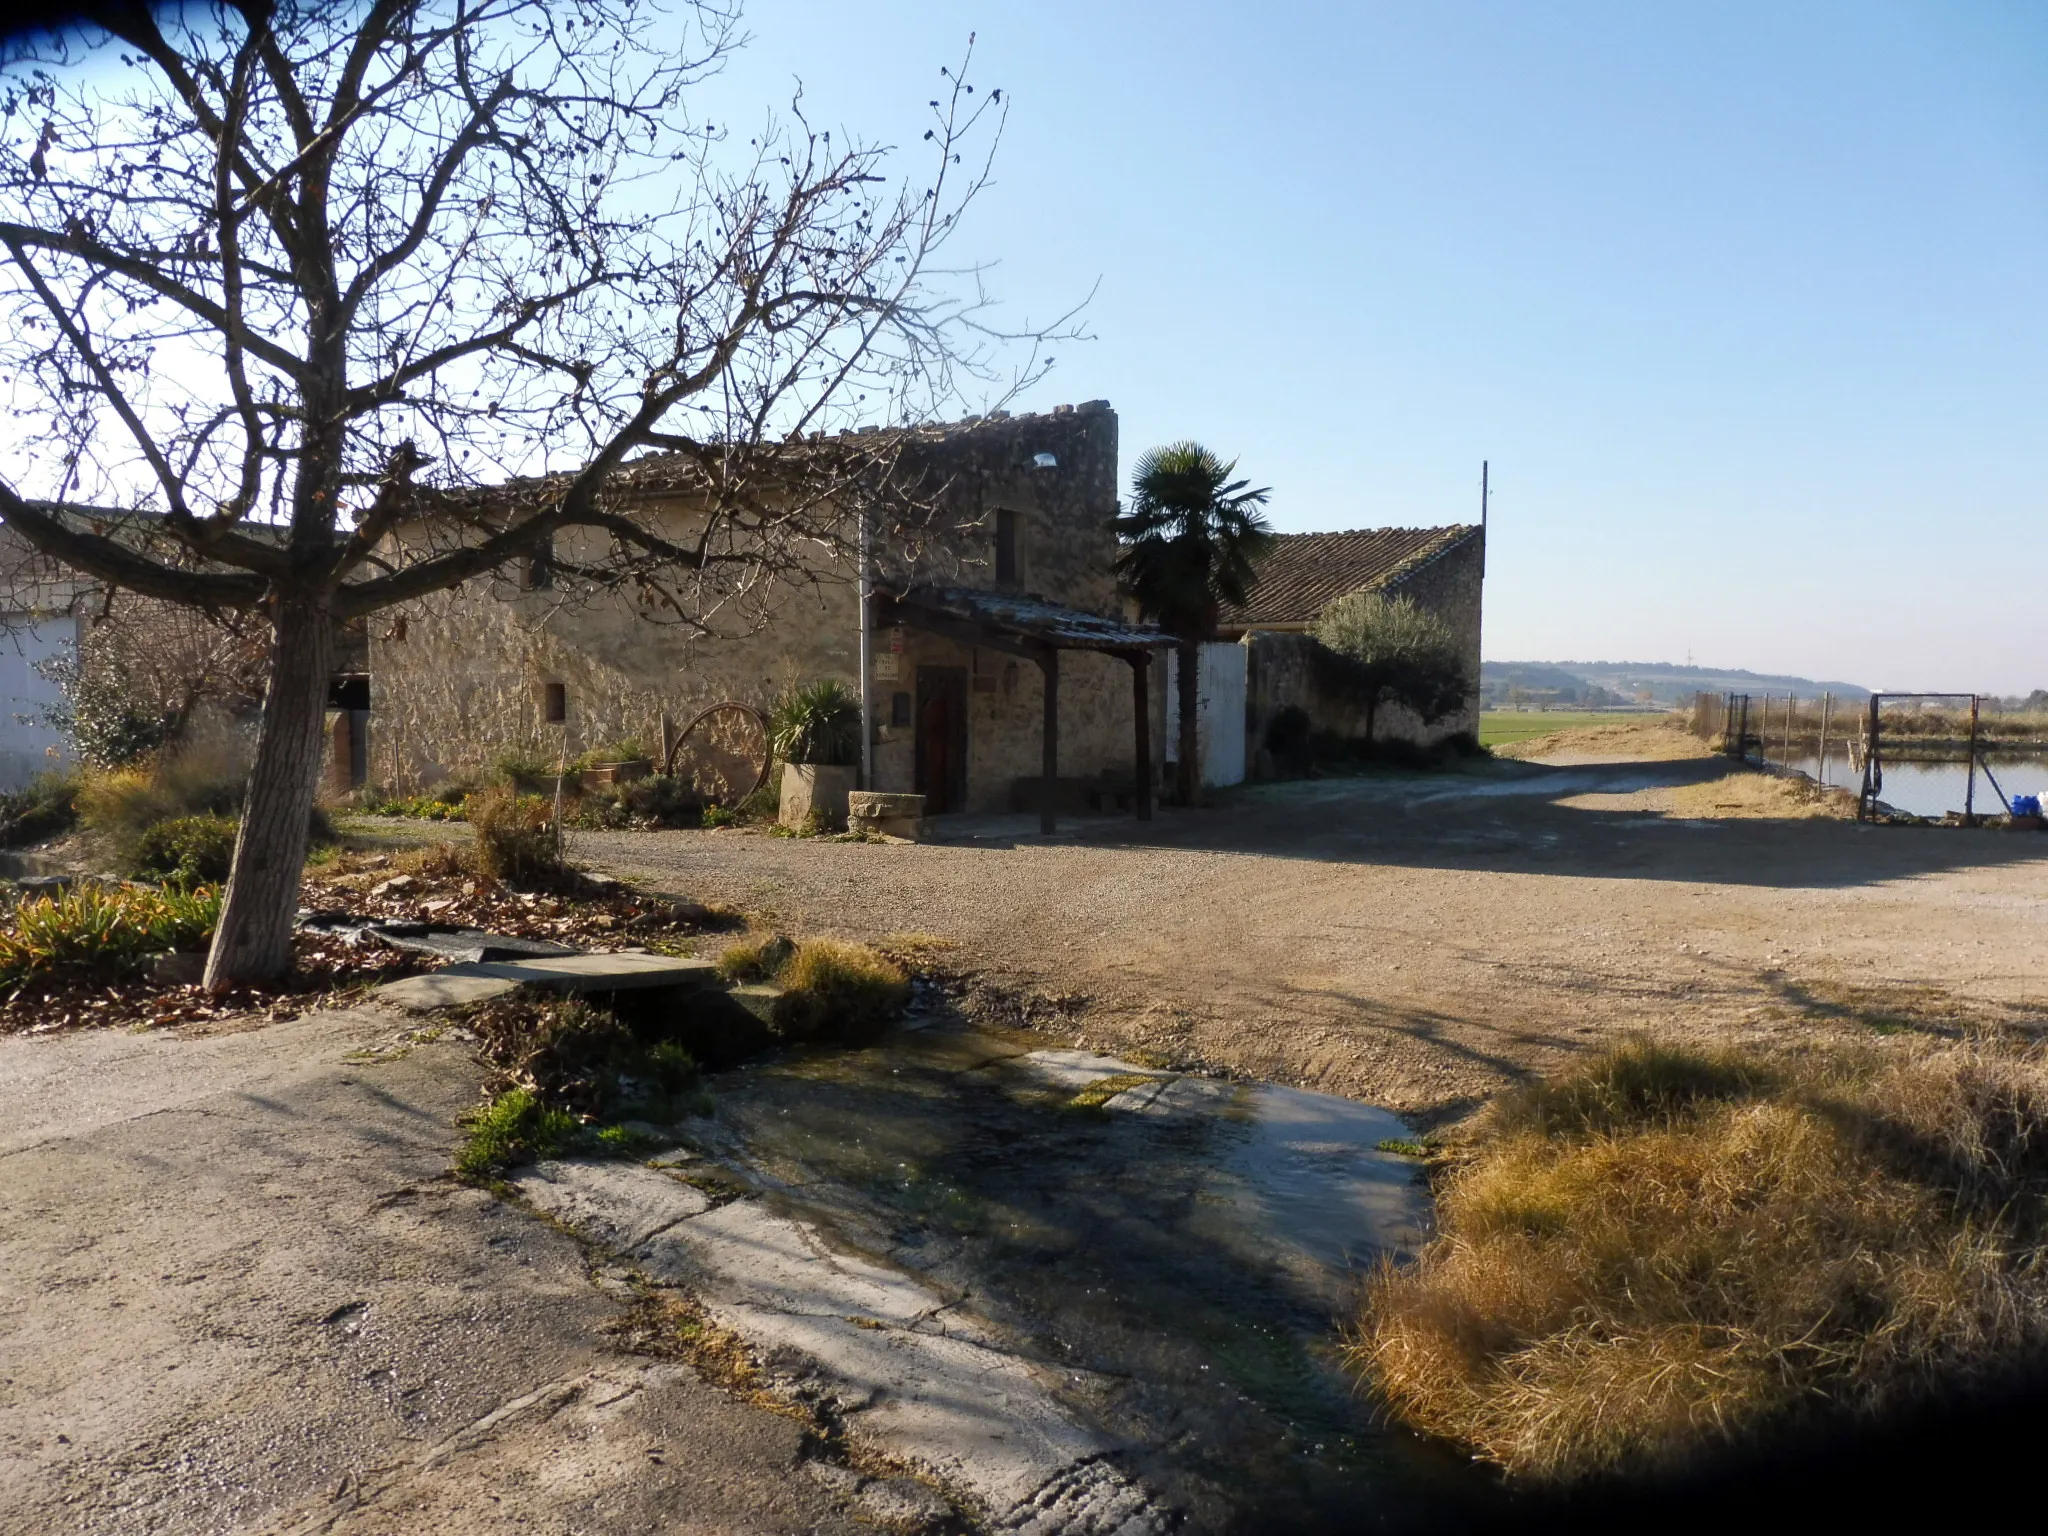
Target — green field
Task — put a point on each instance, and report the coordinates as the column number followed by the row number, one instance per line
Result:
column 1500, row 727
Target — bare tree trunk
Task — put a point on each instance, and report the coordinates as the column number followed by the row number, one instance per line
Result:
column 1190, row 683
column 254, row 940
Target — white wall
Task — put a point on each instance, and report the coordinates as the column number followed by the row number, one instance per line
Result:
column 1219, row 716
column 26, row 748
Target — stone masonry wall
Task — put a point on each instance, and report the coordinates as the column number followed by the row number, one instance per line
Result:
column 460, row 680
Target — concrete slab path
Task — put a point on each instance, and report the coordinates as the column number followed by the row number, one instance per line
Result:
column 237, row 1294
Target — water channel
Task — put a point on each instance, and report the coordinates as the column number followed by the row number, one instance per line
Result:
column 1931, row 789
column 1180, row 1253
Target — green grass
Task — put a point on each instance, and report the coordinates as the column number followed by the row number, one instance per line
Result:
column 1501, row 727
column 515, row 1127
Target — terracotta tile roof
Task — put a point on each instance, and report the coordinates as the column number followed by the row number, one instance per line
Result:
column 1307, row 571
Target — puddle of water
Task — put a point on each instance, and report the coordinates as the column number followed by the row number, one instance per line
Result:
column 1186, row 1249
column 1933, row 789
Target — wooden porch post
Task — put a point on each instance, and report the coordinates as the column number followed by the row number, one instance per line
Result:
column 1141, row 715
column 1049, row 736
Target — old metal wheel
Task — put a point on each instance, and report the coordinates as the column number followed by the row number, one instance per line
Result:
column 722, row 753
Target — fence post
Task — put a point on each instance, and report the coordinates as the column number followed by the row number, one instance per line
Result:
column 1827, row 709
column 1970, row 785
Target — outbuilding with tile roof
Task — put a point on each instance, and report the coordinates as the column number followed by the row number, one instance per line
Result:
column 1286, row 692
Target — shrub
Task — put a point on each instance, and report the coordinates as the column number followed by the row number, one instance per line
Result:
column 762, row 803
column 627, row 749
column 44, row 807
column 515, row 1127
column 525, row 773
column 1667, row 1251
column 1287, row 738
column 109, row 723
column 817, row 723
column 602, row 809
column 444, row 802
column 719, row 816
column 666, row 801
column 839, row 991
column 101, row 931
column 193, row 849
column 515, row 838
column 123, row 803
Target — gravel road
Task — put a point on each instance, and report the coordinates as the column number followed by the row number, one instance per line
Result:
column 1421, row 940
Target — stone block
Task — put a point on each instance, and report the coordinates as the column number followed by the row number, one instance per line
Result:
column 819, row 789
column 181, row 968
column 889, row 815
column 452, row 987
column 568, row 975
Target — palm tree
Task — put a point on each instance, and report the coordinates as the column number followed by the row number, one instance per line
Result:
column 1193, row 539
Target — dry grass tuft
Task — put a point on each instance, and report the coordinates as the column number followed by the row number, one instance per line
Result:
column 516, row 842
column 1673, row 1250
column 839, row 991
column 756, row 958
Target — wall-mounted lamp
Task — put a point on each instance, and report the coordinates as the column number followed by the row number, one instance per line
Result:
column 1044, row 461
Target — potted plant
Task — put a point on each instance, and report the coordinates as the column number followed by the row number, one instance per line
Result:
column 619, row 762
column 815, row 731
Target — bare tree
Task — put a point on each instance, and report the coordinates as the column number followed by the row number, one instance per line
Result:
column 282, row 279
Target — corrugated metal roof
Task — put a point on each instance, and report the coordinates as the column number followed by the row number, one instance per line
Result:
column 1308, row 571
column 1035, row 618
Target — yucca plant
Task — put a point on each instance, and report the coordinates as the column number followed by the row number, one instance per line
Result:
column 817, row 723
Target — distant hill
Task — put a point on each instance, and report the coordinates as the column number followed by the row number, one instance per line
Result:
column 1596, row 683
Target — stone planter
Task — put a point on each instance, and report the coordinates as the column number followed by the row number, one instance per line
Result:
column 597, row 775
column 869, row 810
column 815, row 788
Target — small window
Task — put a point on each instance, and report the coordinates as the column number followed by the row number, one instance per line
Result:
column 899, row 709
column 1006, row 547
column 555, row 703
column 540, row 566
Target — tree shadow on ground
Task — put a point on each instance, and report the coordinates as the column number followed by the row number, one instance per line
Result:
column 1518, row 825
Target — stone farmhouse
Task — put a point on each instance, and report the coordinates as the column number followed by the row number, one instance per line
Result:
column 1002, row 657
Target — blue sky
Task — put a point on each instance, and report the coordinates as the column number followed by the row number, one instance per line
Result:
column 1747, row 303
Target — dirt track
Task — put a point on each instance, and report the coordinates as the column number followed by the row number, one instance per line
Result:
column 1421, row 940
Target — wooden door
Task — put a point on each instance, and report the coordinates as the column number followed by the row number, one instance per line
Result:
column 942, row 738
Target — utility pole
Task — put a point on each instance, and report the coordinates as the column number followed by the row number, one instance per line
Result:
column 1483, row 499
column 866, row 589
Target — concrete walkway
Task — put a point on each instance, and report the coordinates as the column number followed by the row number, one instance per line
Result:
column 238, row 1294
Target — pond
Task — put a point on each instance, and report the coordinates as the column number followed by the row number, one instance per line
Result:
column 1933, row 789
column 1196, row 1244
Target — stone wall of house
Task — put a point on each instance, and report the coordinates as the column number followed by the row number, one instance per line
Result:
column 1281, row 669
column 461, row 680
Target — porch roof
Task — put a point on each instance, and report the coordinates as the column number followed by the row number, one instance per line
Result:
column 1030, row 619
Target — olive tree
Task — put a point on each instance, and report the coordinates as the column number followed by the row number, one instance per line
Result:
column 1395, row 652
column 281, row 276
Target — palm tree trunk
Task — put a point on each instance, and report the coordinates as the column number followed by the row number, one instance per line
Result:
column 253, row 941
column 1190, row 681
